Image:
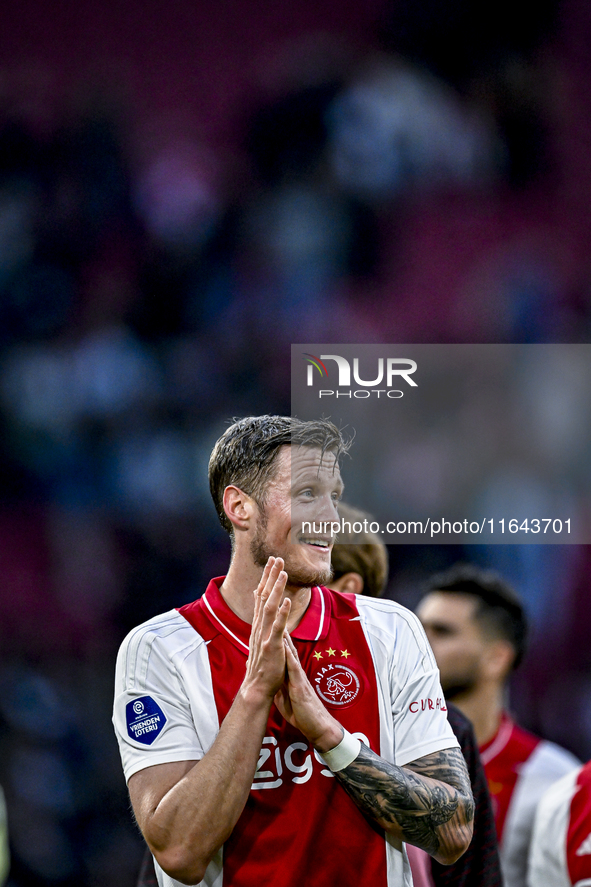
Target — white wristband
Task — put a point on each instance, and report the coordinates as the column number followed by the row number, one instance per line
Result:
column 343, row 754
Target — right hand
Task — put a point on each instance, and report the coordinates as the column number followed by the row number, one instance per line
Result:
column 299, row 704
column 265, row 667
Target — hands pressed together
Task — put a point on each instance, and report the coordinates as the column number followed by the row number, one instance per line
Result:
column 273, row 667
column 427, row 803
column 188, row 809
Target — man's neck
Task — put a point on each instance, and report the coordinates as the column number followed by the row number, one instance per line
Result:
column 484, row 708
column 238, row 588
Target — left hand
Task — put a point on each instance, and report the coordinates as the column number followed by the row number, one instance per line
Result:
column 301, row 707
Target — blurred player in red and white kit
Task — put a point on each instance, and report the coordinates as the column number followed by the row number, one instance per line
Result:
column 560, row 852
column 275, row 731
column 477, row 627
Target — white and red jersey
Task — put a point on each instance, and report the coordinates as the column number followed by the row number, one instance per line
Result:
column 371, row 665
column 519, row 768
column 560, row 853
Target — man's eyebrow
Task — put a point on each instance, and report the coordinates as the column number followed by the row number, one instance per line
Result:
column 437, row 625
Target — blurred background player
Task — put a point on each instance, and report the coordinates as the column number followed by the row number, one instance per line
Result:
column 560, row 852
column 477, row 628
column 361, row 567
column 360, row 559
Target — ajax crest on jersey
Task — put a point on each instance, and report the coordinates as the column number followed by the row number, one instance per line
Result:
column 337, row 684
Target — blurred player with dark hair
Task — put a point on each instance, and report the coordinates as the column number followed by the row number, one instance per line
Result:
column 477, row 628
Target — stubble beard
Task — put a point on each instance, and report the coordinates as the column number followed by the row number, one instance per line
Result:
column 458, row 687
column 298, row 576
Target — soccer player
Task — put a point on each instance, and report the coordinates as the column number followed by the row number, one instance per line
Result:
column 560, row 852
column 274, row 731
column 476, row 626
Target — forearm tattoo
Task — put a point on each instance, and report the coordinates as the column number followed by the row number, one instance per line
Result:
column 427, row 811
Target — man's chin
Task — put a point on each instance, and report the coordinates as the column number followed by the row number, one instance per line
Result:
column 457, row 690
column 305, row 574
column 300, row 577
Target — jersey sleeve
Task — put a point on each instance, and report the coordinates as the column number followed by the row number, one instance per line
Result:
column 409, row 678
column 420, row 720
column 418, row 704
column 152, row 715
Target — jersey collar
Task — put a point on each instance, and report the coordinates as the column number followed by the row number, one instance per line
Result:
column 313, row 626
column 494, row 746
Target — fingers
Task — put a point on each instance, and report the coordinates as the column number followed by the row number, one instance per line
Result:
column 272, row 596
column 272, row 592
column 268, row 581
column 263, row 580
column 280, row 623
column 291, row 646
column 260, row 589
column 291, row 663
column 292, row 660
column 271, row 613
column 262, row 592
column 283, row 704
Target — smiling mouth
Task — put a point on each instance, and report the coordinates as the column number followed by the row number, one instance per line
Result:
column 322, row 544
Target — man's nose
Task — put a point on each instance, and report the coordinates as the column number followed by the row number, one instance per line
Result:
column 328, row 509
column 430, row 636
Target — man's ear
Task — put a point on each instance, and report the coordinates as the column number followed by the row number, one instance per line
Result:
column 351, row 582
column 239, row 507
column 499, row 659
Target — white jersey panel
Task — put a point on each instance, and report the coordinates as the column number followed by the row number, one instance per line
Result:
column 547, row 855
column 547, row 763
column 163, row 666
column 165, row 660
column 214, row 875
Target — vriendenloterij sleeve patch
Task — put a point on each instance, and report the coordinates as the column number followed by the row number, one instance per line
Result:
column 145, row 719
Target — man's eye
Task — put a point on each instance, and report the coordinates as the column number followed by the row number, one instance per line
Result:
column 442, row 631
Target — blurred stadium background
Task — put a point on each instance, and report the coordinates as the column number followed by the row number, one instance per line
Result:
column 185, row 190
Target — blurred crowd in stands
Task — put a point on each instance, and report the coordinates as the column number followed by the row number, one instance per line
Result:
column 414, row 172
